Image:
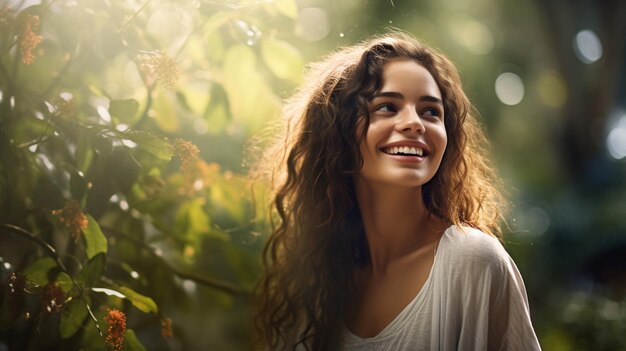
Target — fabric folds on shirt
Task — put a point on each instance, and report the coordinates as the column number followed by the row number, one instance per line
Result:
column 473, row 299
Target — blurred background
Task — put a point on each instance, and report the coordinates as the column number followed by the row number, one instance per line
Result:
column 126, row 214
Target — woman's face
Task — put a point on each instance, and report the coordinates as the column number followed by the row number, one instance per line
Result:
column 406, row 138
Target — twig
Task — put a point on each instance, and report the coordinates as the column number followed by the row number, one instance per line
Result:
column 206, row 281
column 31, row 143
column 95, row 320
column 123, row 28
column 210, row 282
column 32, row 237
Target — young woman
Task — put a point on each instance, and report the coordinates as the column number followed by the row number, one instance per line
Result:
column 388, row 210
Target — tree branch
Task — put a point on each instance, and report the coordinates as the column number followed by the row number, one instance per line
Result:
column 32, row 237
column 203, row 280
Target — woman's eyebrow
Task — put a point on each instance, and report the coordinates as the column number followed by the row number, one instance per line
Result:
column 390, row 94
column 397, row 95
column 431, row 99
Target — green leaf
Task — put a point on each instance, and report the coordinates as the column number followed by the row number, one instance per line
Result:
column 154, row 145
column 95, row 240
column 216, row 113
column 240, row 60
column 125, row 110
column 214, row 47
column 192, row 220
column 93, row 270
column 217, row 118
column 196, row 97
column 251, row 100
column 26, row 129
column 64, row 282
column 131, row 343
column 164, row 108
column 141, row 302
column 73, row 315
column 102, row 145
column 37, row 273
column 284, row 60
column 84, row 152
column 109, row 292
column 90, row 336
column 216, row 21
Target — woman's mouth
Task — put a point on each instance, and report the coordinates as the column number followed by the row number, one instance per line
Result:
column 404, row 151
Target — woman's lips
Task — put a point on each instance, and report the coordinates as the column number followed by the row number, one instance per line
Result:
column 404, row 150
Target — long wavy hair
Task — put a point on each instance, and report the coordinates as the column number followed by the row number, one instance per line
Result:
column 317, row 240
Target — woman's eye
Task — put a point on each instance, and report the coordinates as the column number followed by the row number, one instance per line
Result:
column 385, row 108
column 431, row 112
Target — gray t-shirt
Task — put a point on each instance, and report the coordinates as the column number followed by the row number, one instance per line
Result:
column 473, row 299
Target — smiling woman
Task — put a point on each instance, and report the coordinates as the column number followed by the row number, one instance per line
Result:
column 406, row 135
column 388, row 213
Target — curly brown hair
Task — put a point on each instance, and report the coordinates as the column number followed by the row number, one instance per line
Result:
column 318, row 241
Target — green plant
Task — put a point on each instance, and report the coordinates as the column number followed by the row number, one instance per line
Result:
column 121, row 185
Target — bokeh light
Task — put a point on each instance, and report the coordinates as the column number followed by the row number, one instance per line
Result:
column 103, row 112
column 616, row 139
column 533, row 221
column 190, row 286
column 587, row 46
column 538, row 221
column 313, row 24
column 509, row 88
column 560, row 147
column 472, row 34
column 551, row 88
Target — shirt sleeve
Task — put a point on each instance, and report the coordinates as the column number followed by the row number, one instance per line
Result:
column 495, row 312
column 510, row 326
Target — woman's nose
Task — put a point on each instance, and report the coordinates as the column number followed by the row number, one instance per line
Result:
column 410, row 121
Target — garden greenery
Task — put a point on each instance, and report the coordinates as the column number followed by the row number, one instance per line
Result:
column 121, row 187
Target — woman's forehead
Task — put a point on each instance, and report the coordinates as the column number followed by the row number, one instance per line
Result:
column 408, row 75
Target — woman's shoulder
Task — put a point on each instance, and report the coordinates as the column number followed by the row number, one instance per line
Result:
column 471, row 246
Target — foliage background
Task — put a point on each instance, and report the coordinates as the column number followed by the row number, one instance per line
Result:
column 141, row 111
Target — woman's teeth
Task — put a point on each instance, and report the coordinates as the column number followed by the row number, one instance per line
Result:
column 403, row 150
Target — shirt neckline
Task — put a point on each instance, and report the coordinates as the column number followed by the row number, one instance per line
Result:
column 398, row 323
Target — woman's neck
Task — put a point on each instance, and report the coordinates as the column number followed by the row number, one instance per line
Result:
column 396, row 222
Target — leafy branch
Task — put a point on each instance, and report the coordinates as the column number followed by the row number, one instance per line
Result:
column 57, row 259
column 37, row 240
column 88, row 160
column 202, row 280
